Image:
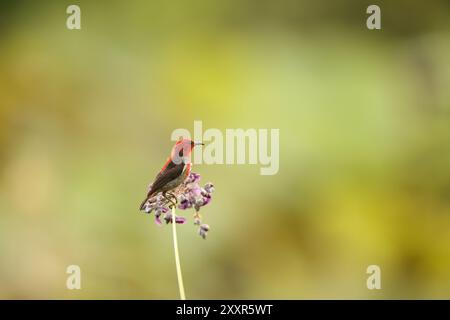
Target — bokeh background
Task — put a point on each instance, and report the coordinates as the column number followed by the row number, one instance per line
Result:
column 364, row 119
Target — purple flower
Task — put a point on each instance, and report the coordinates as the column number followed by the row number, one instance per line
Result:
column 157, row 204
column 192, row 195
column 195, row 192
column 189, row 195
column 185, row 204
column 193, row 177
column 209, row 187
column 179, row 220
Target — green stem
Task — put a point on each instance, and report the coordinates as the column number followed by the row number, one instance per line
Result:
column 177, row 256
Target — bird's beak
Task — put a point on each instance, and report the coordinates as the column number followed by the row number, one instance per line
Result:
column 199, row 144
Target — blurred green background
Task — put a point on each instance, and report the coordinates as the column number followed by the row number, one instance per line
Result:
column 86, row 117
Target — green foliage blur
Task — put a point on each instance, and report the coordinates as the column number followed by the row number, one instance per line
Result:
column 364, row 118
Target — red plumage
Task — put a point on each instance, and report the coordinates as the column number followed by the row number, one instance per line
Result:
column 176, row 169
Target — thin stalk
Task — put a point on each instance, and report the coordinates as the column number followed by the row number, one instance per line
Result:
column 177, row 256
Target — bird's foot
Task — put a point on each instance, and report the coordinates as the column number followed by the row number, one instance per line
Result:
column 169, row 199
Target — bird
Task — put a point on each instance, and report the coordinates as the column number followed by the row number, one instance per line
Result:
column 176, row 169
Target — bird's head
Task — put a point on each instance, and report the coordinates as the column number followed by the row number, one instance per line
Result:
column 182, row 149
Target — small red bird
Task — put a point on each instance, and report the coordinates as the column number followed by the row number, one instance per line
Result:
column 175, row 170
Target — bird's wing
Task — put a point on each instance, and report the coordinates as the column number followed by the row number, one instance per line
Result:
column 166, row 176
column 169, row 164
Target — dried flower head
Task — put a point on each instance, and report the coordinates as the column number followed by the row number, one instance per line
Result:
column 188, row 195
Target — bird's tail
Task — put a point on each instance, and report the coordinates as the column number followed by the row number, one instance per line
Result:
column 143, row 203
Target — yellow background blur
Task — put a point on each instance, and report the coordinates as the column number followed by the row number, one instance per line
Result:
column 86, row 117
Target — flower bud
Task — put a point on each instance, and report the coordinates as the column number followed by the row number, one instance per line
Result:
column 203, row 230
column 209, row 187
